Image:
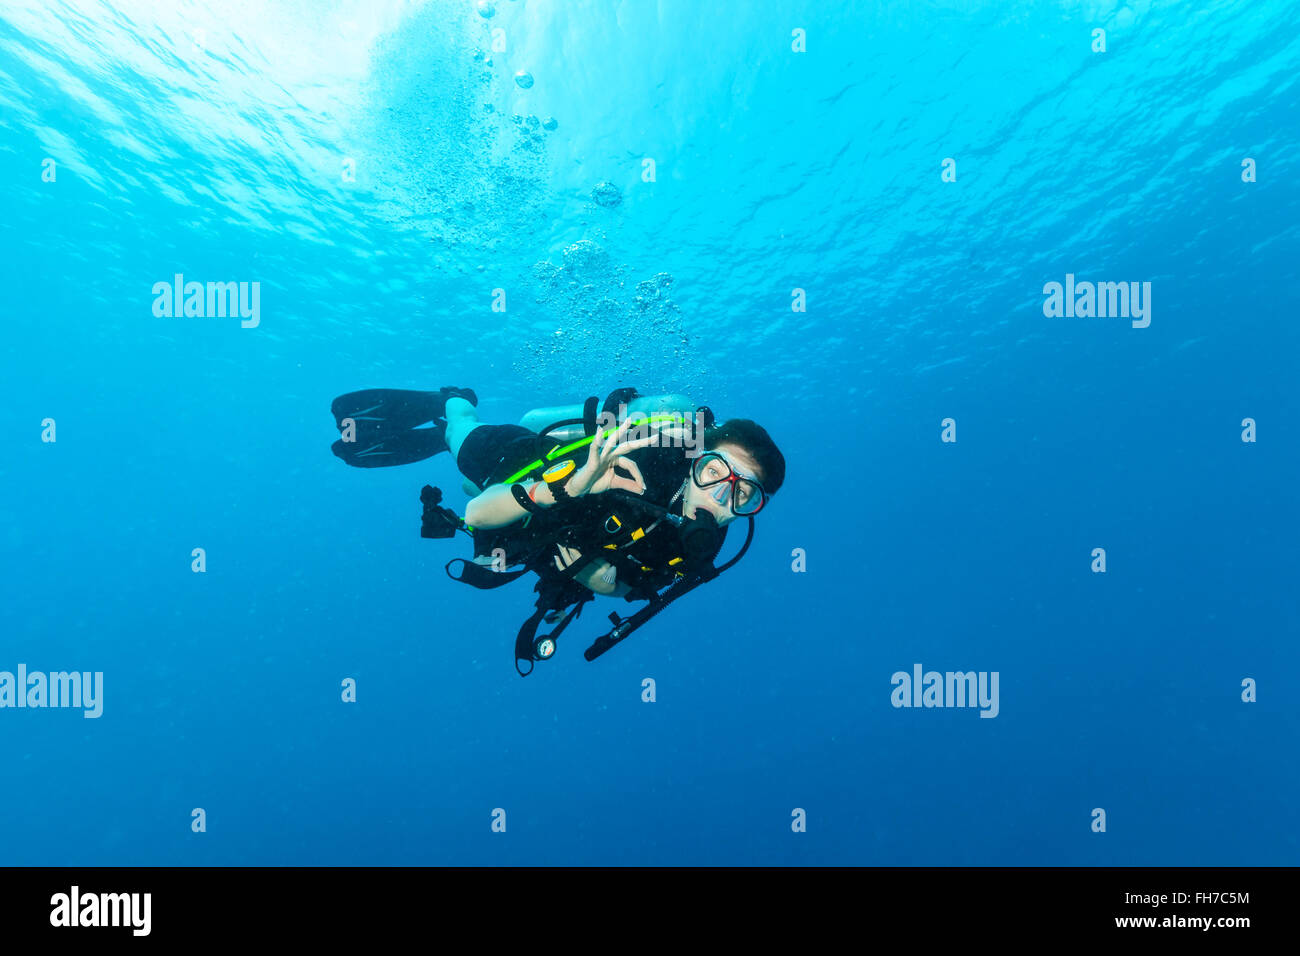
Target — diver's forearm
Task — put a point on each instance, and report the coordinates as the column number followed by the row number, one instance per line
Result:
column 494, row 508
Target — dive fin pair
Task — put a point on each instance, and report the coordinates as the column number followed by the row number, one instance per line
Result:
column 391, row 426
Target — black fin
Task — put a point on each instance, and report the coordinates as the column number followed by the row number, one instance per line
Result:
column 393, row 426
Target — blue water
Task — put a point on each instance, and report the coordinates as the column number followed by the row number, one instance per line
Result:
column 362, row 162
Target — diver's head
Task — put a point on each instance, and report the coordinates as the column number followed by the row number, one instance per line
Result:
column 740, row 469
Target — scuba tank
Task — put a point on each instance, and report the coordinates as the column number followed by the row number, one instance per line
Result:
column 565, row 422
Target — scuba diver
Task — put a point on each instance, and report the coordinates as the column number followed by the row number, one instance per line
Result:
column 630, row 499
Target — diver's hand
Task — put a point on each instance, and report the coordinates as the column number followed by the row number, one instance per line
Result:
column 593, row 576
column 606, row 452
column 565, row 557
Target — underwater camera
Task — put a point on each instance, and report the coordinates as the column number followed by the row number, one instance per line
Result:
column 436, row 521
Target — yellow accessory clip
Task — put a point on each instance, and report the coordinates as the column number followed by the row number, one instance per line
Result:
column 559, row 472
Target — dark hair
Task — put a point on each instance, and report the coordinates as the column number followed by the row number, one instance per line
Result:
column 752, row 437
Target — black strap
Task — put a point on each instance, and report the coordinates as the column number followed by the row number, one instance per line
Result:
column 528, row 504
column 481, row 577
column 524, row 641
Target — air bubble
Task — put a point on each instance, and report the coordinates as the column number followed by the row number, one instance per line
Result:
column 607, row 195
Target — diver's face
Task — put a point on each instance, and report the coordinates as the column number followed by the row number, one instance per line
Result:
column 717, row 499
